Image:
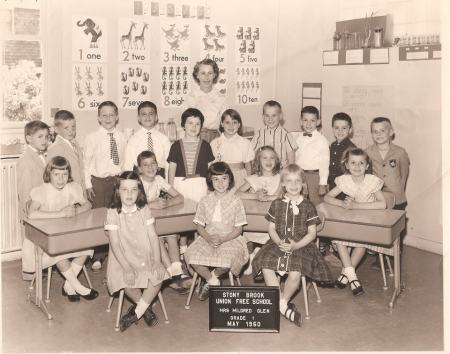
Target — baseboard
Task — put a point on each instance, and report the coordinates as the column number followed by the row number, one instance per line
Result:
column 11, row 256
column 424, row 244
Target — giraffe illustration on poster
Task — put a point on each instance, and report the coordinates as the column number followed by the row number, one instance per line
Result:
column 133, row 35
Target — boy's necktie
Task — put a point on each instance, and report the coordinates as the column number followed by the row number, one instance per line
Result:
column 113, row 148
column 307, row 134
column 149, row 141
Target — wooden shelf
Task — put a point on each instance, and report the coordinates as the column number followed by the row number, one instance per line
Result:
column 420, row 52
column 363, row 56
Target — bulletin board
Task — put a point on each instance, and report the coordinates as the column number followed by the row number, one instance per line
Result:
column 363, row 103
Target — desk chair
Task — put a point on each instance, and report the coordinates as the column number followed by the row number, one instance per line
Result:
column 49, row 279
column 120, row 305
column 194, row 281
column 390, row 203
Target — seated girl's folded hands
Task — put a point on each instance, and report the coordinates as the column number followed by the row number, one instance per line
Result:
column 261, row 195
column 348, row 203
column 214, row 240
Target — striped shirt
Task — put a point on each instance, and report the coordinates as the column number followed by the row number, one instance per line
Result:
column 279, row 138
column 190, row 149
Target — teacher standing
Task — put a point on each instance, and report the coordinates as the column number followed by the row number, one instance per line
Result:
column 207, row 98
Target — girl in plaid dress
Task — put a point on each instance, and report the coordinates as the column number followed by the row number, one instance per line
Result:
column 292, row 228
column 220, row 216
column 363, row 192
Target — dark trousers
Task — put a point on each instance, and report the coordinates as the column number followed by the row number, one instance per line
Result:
column 104, row 194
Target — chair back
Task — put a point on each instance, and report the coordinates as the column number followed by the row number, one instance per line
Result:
column 390, row 199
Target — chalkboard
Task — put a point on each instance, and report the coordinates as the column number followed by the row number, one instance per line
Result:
column 244, row 309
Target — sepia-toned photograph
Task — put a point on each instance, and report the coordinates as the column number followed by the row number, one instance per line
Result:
column 206, row 176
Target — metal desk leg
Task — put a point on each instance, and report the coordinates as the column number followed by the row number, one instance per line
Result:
column 38, row 268
column 397, row 273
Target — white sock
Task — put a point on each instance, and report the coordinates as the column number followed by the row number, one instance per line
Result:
column 283, row 305
column 183, row 249
column 350, row 273
column 214, row 280
column 74, row 283
column 76, row 269
column 141, row 307
column 176, row 268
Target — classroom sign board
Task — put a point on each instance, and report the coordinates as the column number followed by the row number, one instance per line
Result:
column 244, row 309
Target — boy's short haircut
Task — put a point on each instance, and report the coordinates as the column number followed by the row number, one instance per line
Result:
column 145, row 104
column 380, row 120
column 272, row 103
column 108, row 104
column 34, row 126
column 291, row 168
column 311, row 110
column 63, row 115
column 146, row 154
column 209, row 62
column 192, row 112
column 341, row 116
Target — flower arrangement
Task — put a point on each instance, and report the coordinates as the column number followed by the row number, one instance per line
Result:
column 22, row 95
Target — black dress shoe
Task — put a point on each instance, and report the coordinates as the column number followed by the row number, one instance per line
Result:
column 72, row 298
column 91, row 296
column 128, row 319
column 150, row 317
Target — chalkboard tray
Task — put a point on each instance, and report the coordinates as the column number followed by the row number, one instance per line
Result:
column 244, row 309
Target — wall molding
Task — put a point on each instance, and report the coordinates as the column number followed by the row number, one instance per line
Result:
column 424, row 244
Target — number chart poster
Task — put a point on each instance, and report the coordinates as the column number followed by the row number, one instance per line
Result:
column 89, row 85
column 134, row 40
column 213, row 45
column 89, row 48
column 175, row 62
column 89, row 39
column 248, row 61
column 134, row 84
column 134, row 59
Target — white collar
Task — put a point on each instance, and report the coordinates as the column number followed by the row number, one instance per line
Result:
column 130, row 210
column 293, row 203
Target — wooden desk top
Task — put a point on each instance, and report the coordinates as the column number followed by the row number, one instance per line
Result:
column 86, row 230
column 380, row 218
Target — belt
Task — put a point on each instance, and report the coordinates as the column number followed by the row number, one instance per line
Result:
column 237, row 165
column 311, row 171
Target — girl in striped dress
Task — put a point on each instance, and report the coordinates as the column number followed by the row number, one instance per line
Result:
column 363, row 192
column 188, row 161
column 220, row 216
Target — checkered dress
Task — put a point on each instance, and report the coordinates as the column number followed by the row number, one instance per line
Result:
column 306, row 260
column 363, row 193
column 219, row 216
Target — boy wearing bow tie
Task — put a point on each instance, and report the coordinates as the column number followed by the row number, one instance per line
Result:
column 274, row 135
column 313, row 154
column 30, row 166
column 390, row 162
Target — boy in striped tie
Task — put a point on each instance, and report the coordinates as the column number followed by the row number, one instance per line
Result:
column 104, row 152
column 148, row 137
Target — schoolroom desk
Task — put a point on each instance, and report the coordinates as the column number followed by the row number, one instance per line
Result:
column 56, row 236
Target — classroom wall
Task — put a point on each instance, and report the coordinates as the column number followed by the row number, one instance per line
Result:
column 230, row 13
column 295, row 34
column 411, row 92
